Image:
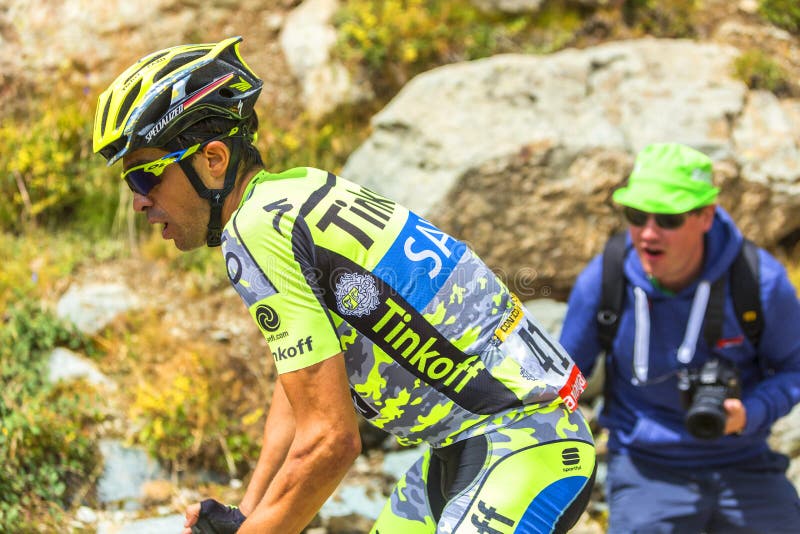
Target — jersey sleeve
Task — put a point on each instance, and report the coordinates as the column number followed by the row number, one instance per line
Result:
column 269, row 258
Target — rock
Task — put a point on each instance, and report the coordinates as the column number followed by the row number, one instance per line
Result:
column 67, row 365
column 86, row 515
column 518, row 155
column 508, row 6
column 549, row 313
column 94, row 306
column 155, row 492
column 156, row 525
column 395, row 464
column 126, row 471
column 306, row 39
column 353, row 500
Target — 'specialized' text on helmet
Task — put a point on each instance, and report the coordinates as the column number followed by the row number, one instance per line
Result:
column 166, row 92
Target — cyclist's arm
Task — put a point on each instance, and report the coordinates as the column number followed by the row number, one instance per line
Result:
column 278, row 435
column 325, row 443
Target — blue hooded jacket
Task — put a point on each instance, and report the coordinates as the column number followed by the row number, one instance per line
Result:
column 647, row 421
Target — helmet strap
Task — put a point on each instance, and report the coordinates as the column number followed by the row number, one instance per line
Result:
column 216, row 197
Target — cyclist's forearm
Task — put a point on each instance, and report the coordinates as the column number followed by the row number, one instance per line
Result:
column 326, row 442
column 278, row 435
column 311, row 472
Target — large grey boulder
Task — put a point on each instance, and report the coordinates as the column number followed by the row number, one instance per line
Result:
column 307, row 38
column 519, row 154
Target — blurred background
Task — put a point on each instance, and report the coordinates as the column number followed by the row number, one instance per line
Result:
column 133, row 382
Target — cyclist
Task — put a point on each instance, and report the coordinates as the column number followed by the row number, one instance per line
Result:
column 363, row 304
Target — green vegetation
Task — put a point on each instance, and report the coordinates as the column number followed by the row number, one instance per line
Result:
column 661, row 19
column 47, row 445
column 759, row 71
column 305, row 142
column 200, row 413
column 782, row 13
column 48, row 177
column 393, row 40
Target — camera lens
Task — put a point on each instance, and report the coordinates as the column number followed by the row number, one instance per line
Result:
column 706, row 416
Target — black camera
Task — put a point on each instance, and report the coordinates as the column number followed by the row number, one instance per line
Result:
column 703, row 392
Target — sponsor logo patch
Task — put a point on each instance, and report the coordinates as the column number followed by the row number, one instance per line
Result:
column 268, row 319
column 571, row 459
column 356, row 294
column 572, row 389
column 511, row 321
column 300, row 347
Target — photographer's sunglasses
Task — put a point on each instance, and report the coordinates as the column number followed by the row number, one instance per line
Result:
column 667, row 221
column 143, row 178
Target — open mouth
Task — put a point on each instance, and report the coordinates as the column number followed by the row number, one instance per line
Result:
column 652, row 251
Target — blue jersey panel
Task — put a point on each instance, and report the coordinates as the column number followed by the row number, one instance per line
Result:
column 419, row 261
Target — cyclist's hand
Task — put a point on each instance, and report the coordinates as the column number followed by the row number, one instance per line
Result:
column 212, row 517
column 192, row 514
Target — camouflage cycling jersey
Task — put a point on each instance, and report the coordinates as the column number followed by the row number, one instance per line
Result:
column 436, row 347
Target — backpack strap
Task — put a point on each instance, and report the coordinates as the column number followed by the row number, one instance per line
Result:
column 746, row 291
column 715, row 312
column 746, row 295
column 612, row 290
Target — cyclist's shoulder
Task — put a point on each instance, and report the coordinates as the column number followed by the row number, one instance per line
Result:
column 288, row 189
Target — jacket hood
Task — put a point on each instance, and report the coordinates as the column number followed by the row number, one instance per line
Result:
column 722, row 244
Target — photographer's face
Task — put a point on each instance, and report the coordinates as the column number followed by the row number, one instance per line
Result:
column 674, row 257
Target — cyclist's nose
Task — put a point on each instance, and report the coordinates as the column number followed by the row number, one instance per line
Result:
column 140, row 202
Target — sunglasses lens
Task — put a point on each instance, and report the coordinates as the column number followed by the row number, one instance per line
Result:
column 670, row 221
column 635, row 217
column 667, row 221
column 141, row 181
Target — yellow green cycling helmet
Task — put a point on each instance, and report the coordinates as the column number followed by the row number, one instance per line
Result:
column 166, row 92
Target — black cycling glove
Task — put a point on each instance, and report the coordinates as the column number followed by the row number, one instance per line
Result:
column 217, row 518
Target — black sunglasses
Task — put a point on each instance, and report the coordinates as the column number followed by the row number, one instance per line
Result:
column 667, row 221
column 143, row 178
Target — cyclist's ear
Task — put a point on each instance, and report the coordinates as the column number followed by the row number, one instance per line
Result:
column 215, row 161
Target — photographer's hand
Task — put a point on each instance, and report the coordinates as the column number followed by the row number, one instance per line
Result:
column 737, row 416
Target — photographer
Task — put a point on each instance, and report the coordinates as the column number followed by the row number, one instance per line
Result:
column 692, row 387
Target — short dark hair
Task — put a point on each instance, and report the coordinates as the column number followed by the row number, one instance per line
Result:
column 249, row 156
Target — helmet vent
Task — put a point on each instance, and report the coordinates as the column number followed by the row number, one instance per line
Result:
column 105, row 117
column 176, row 63
column 226, row 93
column 130, row 98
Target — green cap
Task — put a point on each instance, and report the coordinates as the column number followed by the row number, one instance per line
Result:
column 669, row 178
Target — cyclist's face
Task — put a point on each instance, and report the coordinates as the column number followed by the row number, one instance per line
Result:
column 172, row 203
column 674, row 257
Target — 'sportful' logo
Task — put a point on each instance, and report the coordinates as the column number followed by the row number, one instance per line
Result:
column 268, row 319
column 356, row 294
column 570, row 456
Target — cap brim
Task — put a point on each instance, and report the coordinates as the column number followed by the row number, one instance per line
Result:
column 653, row 197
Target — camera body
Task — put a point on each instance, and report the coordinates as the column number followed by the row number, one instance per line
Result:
column 703, row 393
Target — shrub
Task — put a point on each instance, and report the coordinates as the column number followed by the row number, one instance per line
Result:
column 672, row 19
column 759, row 71
column 46, row 430
column 191, row 410
column 304, row 142
column 782, row 13
column 396, row 39
column 48, row 173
